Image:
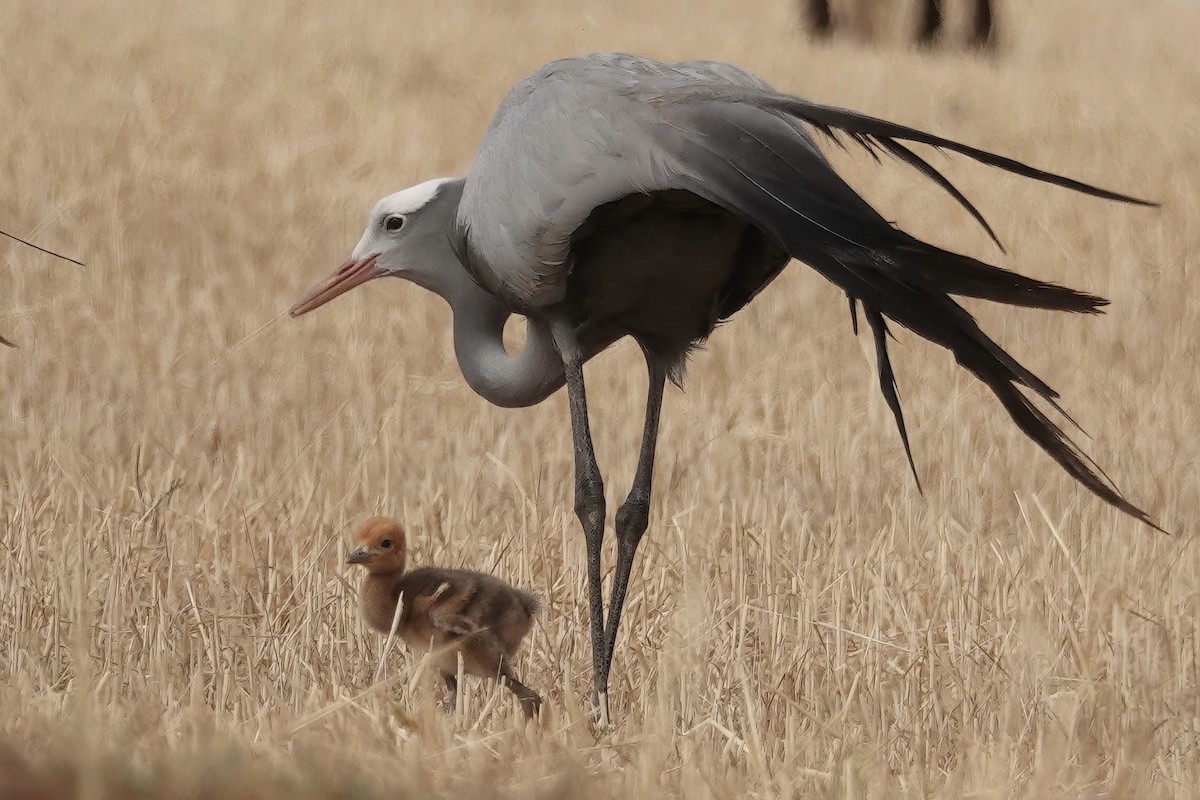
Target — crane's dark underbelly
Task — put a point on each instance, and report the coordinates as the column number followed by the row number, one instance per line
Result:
column 665, row 268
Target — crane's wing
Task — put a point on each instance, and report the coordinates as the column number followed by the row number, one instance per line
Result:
column 583, row 132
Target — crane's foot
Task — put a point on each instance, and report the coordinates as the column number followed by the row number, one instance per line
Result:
column 599, row 716
column 531, row 706
column 451, row 702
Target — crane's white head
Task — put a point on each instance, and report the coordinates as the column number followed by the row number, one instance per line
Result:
column 404, row 230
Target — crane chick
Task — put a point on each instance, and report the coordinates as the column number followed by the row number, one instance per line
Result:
column 445, row 612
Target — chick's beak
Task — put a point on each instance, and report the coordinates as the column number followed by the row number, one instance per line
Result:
column 359, row 555
column 351, row 273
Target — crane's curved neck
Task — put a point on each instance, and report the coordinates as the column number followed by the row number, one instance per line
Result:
column 508, row 380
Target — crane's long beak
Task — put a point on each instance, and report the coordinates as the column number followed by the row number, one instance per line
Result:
column 351, row 273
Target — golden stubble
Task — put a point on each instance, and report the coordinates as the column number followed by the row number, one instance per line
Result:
column 179, row 461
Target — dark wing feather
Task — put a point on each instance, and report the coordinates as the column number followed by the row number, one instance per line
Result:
column 865, row 129
column 925, row 168
column 887, row 382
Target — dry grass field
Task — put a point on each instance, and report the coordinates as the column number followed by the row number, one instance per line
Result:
column 180, row 462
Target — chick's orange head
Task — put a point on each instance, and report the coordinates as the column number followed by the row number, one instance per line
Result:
column 378, row 545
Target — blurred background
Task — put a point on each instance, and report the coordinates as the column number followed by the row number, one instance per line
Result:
column 180, row 462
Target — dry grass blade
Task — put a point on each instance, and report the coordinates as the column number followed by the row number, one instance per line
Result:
column 41, row 249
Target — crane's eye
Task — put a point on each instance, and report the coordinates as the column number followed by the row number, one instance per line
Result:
column 393, row 223
column 386, row 544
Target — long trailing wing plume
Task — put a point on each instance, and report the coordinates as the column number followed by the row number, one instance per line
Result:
column 873, row 133
column 749, row 166
column 886, row 133
column 887, row 382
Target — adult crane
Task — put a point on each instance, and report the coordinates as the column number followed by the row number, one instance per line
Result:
column 615, row 195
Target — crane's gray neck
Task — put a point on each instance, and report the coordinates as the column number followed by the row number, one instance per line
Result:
column 508, row 380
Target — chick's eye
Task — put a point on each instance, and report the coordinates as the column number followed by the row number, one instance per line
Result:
column 393, row 223
column 386, row 544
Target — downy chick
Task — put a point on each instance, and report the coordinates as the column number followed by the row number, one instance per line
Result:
column 444, row 611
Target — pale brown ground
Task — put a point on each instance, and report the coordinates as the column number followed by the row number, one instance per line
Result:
column 802, row 622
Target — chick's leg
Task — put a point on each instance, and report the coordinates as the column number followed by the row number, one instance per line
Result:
column 531, row 701
column 452, row 686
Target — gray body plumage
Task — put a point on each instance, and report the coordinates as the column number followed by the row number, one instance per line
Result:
column 574, row 135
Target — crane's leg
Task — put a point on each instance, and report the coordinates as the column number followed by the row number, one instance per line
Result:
column 983, row 32
column 589, row 501
column 819, row 18
column 930, row 22
column 634, row 514
column 531, row 701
